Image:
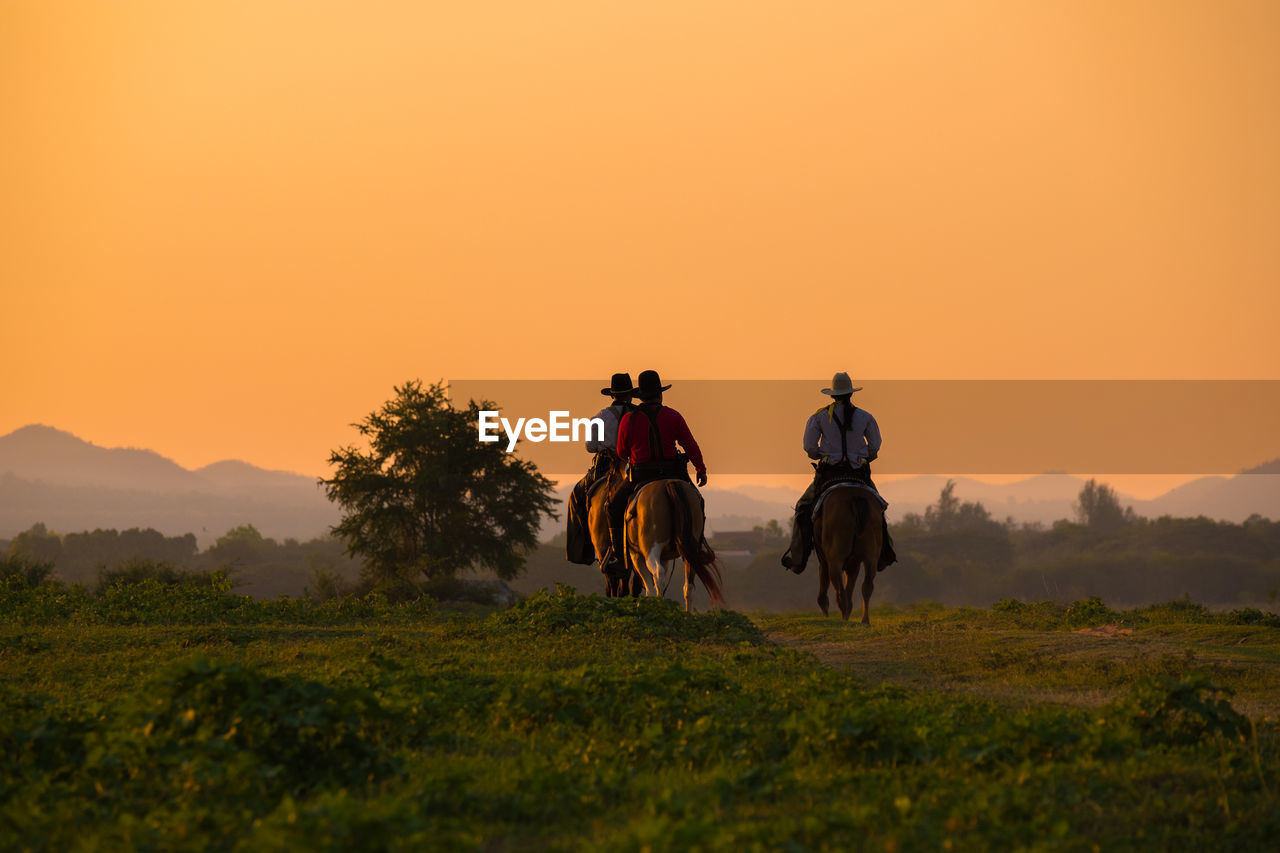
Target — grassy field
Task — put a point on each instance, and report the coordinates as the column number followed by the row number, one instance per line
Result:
column 198, row 720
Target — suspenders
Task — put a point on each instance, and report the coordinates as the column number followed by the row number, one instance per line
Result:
column 844, row 428
column 655, row 437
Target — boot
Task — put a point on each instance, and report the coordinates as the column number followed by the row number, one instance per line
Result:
column 611, row 561
column 798, row 554
column 887, row 554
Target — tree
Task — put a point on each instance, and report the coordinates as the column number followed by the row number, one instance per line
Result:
column 240, row 547
column 38, row 543
column 429, row 498
column 949, row 514
column 1098, row 507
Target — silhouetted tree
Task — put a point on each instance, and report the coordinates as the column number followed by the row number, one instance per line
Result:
column 241, row 546
column 948, row 515
column 429, row 498
column 1098, row 507
column 37, row 543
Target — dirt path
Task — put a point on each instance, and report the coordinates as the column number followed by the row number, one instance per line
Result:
column 1025, row 668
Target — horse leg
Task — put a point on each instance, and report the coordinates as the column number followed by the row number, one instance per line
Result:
column 653, row 562
column 823, row 581
column 688, row 576
column 868, row 586
column 837, row 580
column 847, row 578
column 836, row 571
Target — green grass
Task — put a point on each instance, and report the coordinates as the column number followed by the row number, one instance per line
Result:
column 1031, row 654
column 572, row 722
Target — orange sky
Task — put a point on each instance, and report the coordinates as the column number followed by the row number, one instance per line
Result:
column 227, row 229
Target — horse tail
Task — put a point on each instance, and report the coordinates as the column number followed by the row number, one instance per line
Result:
column 696, row 552
column 861, row 512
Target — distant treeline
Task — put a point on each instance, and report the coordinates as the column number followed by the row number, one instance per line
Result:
column 257, row 565
column 957, row 553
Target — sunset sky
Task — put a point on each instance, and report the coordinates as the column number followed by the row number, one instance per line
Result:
column 227, row 229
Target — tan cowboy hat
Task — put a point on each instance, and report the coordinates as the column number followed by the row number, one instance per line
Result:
column 840, row 384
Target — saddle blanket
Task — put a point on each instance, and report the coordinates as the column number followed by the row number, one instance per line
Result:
column 847, row 484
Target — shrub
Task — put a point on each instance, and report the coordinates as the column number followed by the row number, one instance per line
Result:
column 139, row 570
column 1090, row 612
column 297, row 733
column 1165, row 710
column 565, row 610
column 24, row 571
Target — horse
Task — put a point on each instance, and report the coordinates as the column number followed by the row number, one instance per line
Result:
column 626, row 582
column 847, row 531
column 668, row 522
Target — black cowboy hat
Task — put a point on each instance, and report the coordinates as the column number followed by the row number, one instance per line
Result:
column 650, row 384
column 619, row 386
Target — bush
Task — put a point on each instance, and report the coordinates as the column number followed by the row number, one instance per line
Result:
column 1090, row 612
column 1253, row 616
column 1164, row 710
column 24, row 571
column 140, row 570
column 300, row 734
column 566, row 611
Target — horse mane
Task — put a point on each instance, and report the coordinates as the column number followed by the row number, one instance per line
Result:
column 697, row 554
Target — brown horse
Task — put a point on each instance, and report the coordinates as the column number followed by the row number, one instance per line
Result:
column 668, row 523
column 847, row 532
column 626, row 582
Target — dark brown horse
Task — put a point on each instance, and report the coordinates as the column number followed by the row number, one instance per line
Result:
column 847, row 532
column 669, row 523
column 624, row 581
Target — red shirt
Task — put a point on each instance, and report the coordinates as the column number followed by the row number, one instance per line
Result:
column 633, row 437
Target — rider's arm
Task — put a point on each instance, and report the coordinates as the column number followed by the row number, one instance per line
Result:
column 872, row 434
column 609, row 417
column 624, row 436
column 812, row 432
column 682, row 434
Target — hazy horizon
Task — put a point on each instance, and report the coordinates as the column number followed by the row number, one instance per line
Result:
column 1139, row 486
column 229, row 230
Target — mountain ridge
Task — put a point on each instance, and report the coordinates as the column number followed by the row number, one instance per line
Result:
column 52, row 476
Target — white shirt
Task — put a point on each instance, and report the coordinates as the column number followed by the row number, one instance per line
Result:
column 822, row 435
column 612, row 417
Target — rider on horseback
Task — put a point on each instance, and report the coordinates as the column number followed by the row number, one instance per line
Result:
column 647, row 439
column 844, row 439
column 578, row 541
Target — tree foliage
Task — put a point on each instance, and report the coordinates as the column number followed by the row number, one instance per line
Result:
column 949, row 515
column 427, row 497
column 1098, row 507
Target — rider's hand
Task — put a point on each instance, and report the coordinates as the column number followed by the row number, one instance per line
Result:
column 702, row 478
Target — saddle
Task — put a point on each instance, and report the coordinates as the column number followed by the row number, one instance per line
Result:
column 843, row 475
column 596, row 485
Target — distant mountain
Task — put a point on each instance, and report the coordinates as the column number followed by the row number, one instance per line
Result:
column 1225, row 498
column 1043, row 498
column 51, row 476
column 48, row 455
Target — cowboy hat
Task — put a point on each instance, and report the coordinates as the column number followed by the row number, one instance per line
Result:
column 619, row 386
column 650, row 384
column 841, row 384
